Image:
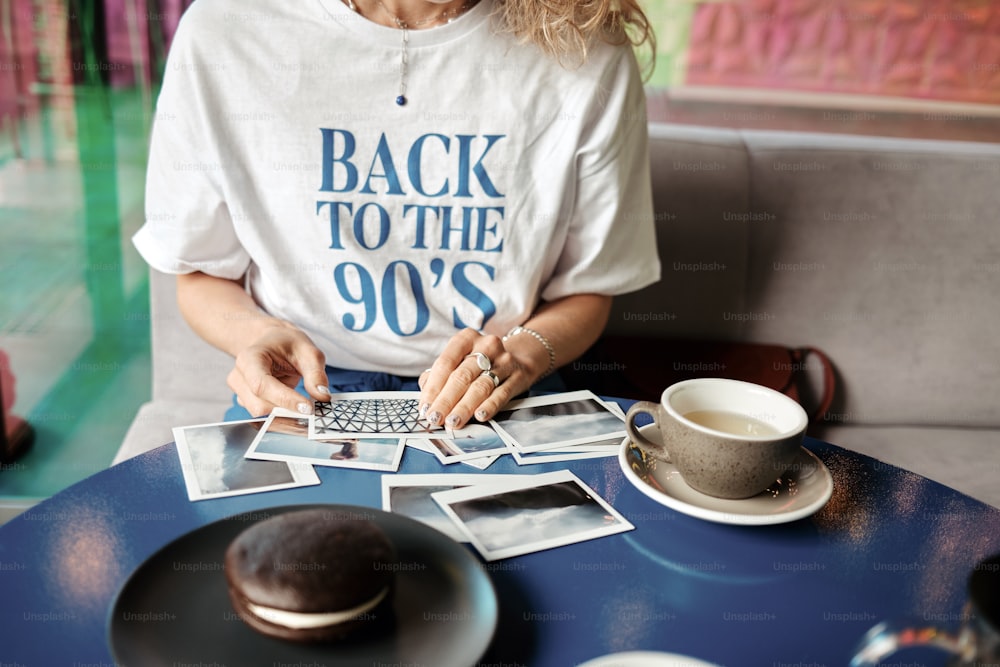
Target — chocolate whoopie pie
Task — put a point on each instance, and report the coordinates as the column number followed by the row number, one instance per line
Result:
column 312, row 575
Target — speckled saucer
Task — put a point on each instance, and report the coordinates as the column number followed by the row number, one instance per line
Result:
column 799, row 493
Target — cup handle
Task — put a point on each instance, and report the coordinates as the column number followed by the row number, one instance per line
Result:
column 656, row 448
column 888, row 637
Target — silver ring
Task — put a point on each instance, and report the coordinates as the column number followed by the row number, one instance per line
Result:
column 493, row 376
column 426, row 370
column 482, row 361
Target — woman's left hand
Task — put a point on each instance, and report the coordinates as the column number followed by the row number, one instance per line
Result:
column 475, row 376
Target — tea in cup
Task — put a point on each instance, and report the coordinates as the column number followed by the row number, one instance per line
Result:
column 727, row 438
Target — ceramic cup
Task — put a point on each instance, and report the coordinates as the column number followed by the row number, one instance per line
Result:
column 976, row 643
column 727, row 438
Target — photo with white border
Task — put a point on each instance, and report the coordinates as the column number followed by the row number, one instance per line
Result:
column 282, row 439
column 558, row 420
column 410, row 495
column 214, row 465
column 596, row 450
column 541, row 512
column 479, row 462
column 472, row 441
column 371, row 414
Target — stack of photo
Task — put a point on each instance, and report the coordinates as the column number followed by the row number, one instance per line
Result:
column 370, row 430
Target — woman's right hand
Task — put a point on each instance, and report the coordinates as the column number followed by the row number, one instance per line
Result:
column 267, row 371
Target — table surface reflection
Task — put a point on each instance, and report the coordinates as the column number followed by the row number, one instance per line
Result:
column 888, row 544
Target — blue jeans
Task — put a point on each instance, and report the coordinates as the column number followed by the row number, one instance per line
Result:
column 343, row 380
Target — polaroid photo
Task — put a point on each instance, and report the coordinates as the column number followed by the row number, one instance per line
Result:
column 284, row 437
column 371, row 414
column 472, row 441
column 480, row 462
column 602, row 449
column 214, row 464
column 540, row 512
column 558, row 420
column 587, row 450
column 410, row 495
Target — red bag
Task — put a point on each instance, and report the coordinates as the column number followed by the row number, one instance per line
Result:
column 641, row 368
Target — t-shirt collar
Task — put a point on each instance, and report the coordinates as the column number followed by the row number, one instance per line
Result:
column 338, row 12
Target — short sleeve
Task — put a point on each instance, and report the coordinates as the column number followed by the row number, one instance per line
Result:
column 188, row 226
column 610, row 246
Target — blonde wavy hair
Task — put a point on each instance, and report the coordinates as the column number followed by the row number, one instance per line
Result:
column 566, row 30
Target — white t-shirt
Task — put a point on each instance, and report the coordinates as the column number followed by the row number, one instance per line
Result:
column 278, row 152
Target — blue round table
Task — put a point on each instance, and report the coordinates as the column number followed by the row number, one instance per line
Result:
column 888, row 544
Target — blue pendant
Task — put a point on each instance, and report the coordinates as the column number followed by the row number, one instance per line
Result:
column 401, row 100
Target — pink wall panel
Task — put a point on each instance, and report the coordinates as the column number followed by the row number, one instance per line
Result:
column 930, row 49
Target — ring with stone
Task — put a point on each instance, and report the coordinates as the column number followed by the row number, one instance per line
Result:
column 482, row 361
column 493, row 376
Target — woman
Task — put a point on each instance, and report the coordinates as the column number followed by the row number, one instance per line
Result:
column 393, row 194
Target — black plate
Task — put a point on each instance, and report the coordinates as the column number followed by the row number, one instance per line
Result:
column 175, row 607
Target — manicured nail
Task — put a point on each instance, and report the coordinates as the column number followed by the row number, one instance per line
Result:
column 423, row 410
column 452, row 420
column 304, row 408
column 434, row 417
column 481, row 415
column 322, row 389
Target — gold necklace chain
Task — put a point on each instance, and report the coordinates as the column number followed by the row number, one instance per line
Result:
column 448, row 15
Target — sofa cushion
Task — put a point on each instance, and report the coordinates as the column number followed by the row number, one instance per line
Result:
column 883, row 252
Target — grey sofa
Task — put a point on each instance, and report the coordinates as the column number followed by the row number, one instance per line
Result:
column 884, row 253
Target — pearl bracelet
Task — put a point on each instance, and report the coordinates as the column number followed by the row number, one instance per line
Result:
column 541, row 339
